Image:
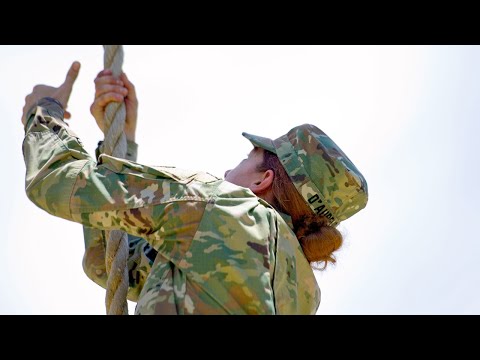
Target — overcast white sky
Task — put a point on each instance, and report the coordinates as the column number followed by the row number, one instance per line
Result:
column 407, row 116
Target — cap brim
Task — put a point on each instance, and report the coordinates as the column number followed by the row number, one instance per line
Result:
column 260, row 141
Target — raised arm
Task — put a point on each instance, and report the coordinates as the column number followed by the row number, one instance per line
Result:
column 64, row 180
column 142, row 255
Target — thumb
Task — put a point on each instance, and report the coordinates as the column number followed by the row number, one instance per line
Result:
column 72, row 75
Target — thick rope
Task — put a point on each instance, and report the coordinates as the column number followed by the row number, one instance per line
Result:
column 115, row 144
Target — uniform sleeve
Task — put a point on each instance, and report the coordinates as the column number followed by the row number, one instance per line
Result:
column 64, row 180
column 141, row 254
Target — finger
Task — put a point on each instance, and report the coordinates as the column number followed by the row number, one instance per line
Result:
column 107, row 79
column 104, row 72
column 67, row 115
column 132, row 94
column 102, row 101
column 103, row 89
column 72, row 75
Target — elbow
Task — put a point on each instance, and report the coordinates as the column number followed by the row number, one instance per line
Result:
column 94, row 268
column 52, row 192
column 34, row 194
column 51, row 199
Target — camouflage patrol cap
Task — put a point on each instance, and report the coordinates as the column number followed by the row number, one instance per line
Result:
column 322, row 173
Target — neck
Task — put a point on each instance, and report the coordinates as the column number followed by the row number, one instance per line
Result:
column 268, row 197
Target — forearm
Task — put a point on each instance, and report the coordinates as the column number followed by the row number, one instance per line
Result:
column 64, row 180
column 131, row 155
column 94, row 257
column 53, row 158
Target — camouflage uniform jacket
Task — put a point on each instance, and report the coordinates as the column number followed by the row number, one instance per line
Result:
column 198, row 244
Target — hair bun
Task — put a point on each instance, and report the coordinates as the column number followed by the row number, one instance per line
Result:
column 318, row 239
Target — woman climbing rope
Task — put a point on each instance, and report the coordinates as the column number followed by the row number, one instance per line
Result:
column 198, row 244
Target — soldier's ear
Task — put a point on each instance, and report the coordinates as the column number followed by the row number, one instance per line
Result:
column 264, row 183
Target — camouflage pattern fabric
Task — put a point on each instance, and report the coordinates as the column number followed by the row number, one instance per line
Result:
column 198, row 244
column 322, row 173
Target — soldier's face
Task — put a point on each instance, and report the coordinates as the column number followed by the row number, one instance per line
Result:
column 246, row 173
